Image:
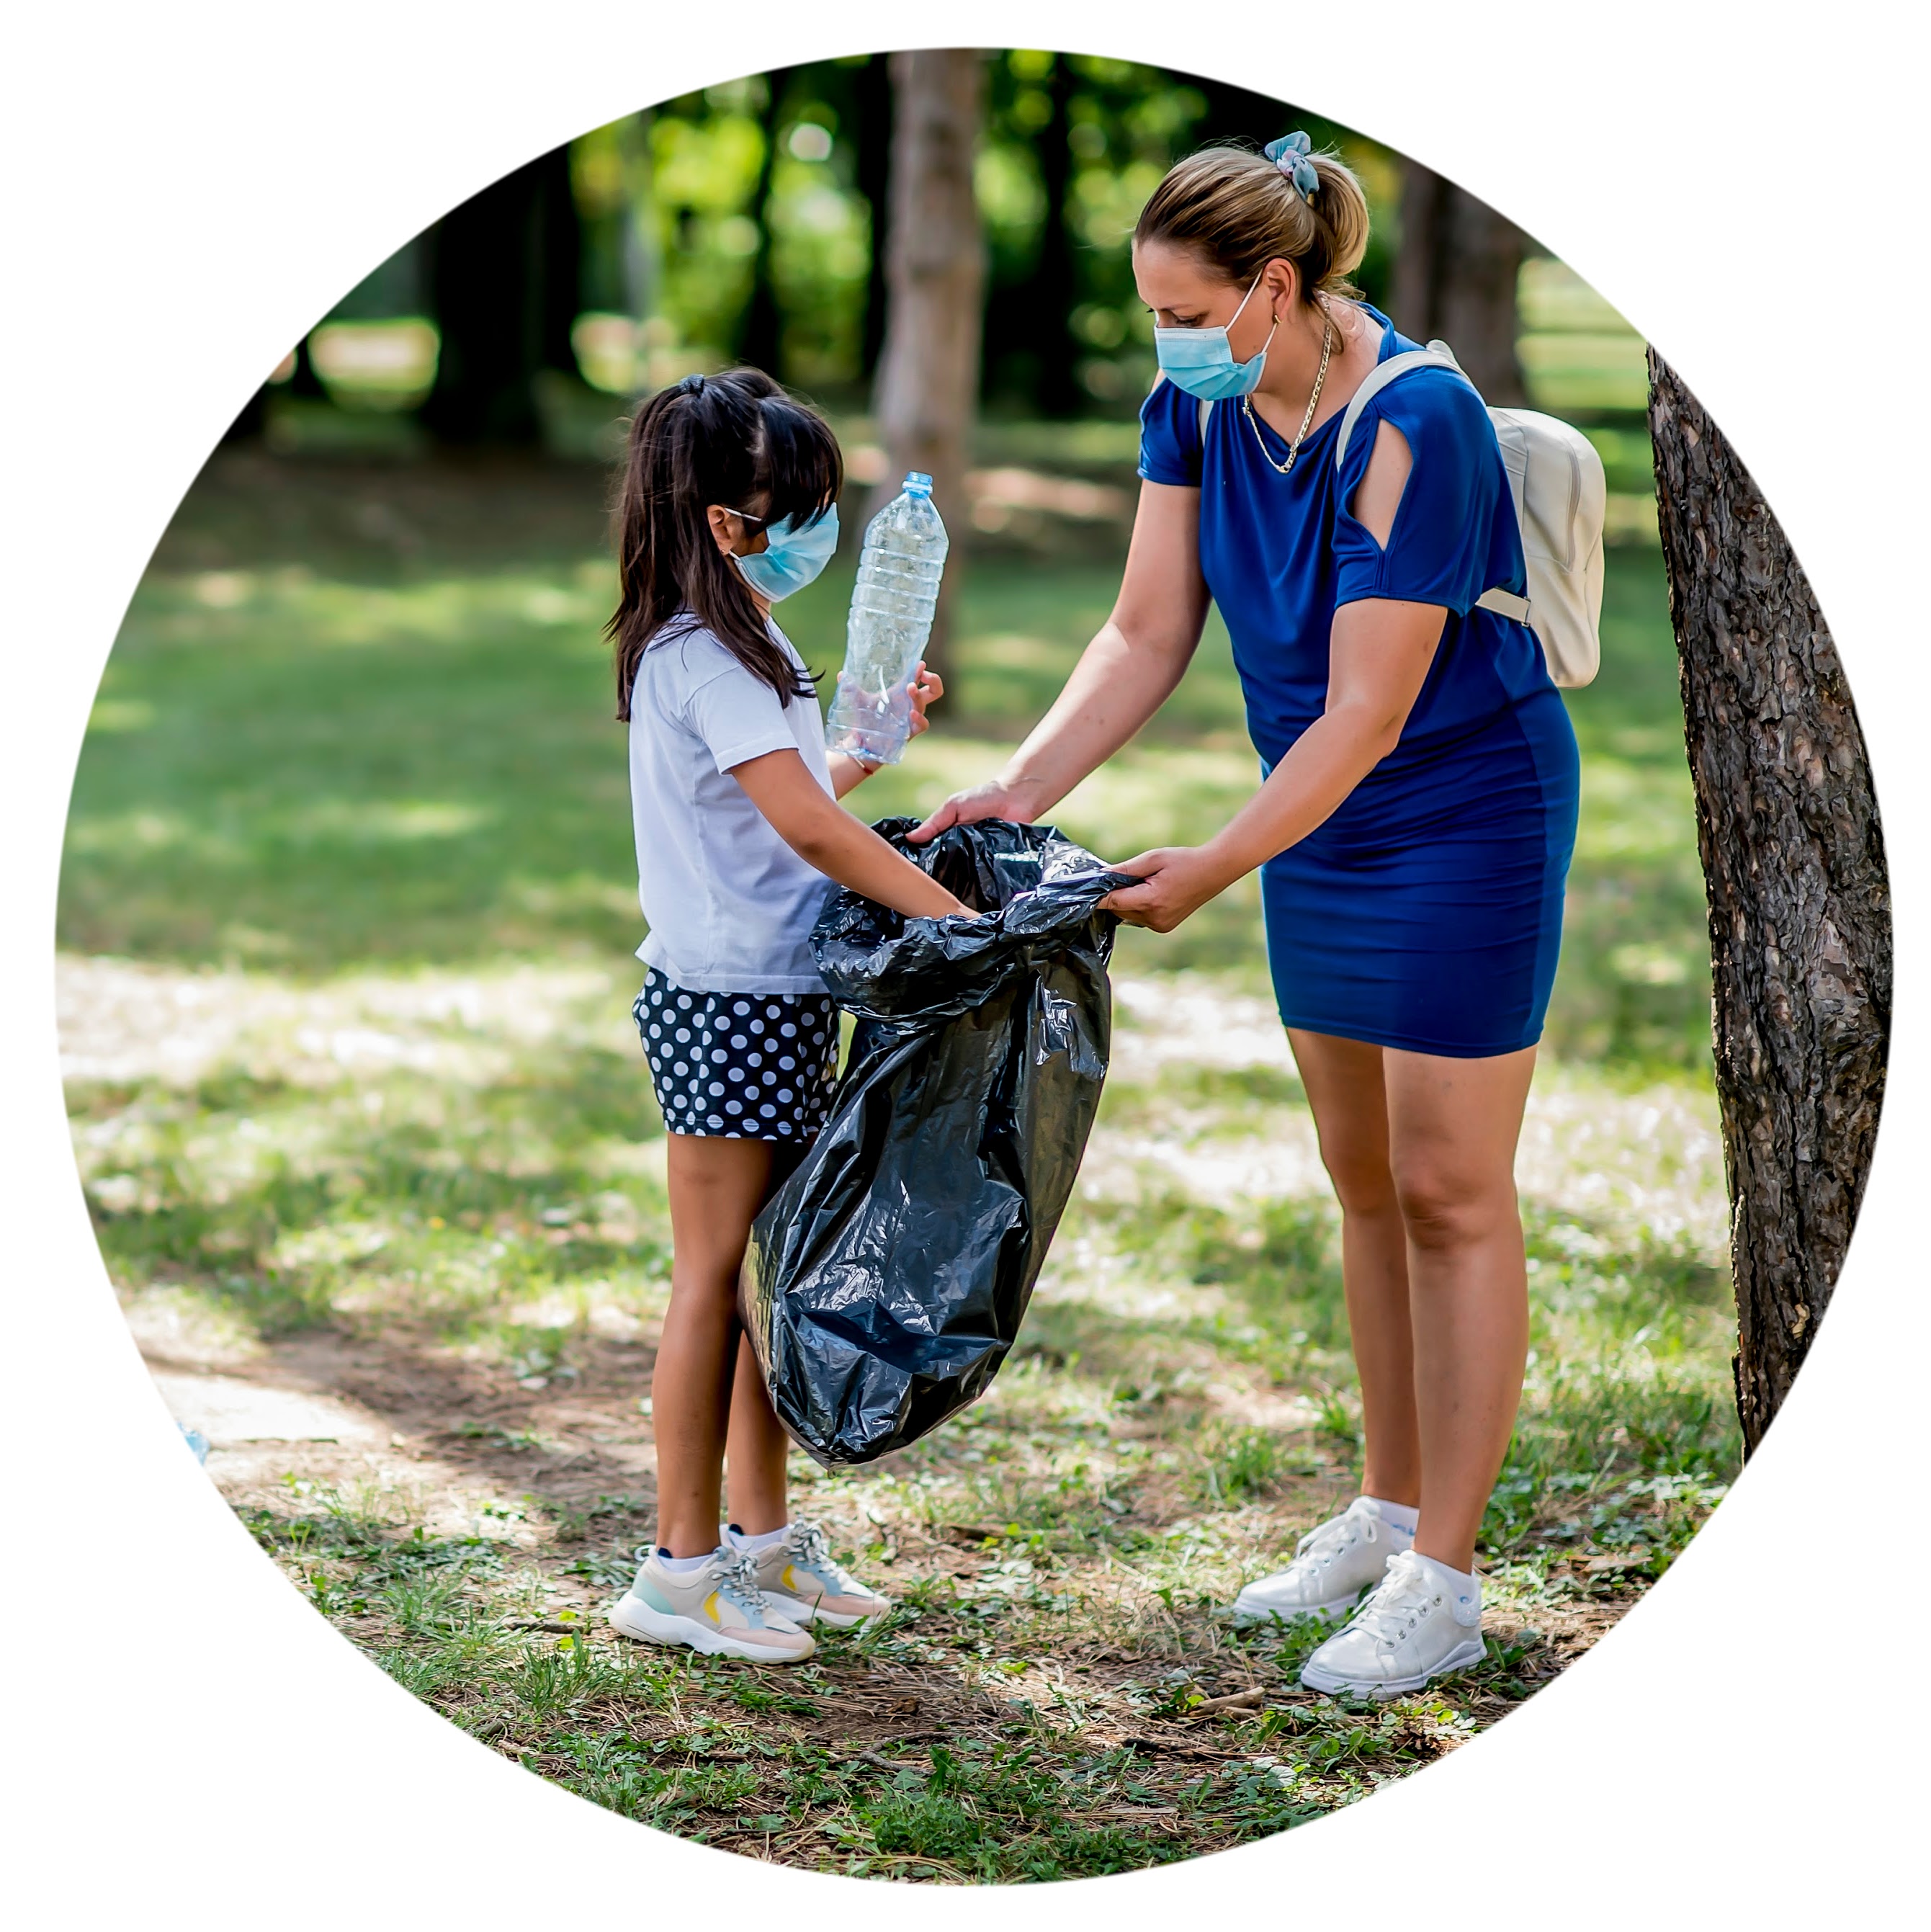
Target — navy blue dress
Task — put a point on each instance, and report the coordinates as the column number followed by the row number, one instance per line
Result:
column 1426, row 913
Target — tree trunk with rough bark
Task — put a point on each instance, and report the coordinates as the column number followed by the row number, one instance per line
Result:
column 928, row 372
column 1800, row 902
column 1455, row 277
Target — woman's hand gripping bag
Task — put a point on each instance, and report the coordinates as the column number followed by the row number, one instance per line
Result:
column 886, row 1280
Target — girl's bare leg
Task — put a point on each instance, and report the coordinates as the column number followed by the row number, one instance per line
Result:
column 754, row 1456
column 1343, row 1079
column 1453, row 1125
column 716, row 1187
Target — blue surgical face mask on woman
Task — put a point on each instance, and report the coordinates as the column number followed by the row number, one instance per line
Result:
column 792, row 557
column 1200, row 362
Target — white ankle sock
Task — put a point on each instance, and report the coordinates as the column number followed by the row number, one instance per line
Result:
column 756, row 1545
column 1397, row 1516
column 682, row 1566
column 1465, row 1590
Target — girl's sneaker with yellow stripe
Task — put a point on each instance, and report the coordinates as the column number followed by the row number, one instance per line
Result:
column 796, row 1571
column 717, row 1608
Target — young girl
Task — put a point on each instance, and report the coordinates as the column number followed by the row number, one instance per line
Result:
column 728, row 504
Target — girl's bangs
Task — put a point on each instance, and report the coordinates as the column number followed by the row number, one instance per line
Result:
column 804, row 470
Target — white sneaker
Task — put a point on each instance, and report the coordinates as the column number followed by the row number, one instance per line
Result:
column 1413, row 1629
column 717, row 1608
column 1333, row 1564
column 799, row 1575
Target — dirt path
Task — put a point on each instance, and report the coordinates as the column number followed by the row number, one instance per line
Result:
column 1055, row 1695
column 1137, row 1730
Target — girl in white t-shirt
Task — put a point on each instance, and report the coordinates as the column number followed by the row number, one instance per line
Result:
column 729, row 503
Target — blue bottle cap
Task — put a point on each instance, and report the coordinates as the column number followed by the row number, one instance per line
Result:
column 918, row 484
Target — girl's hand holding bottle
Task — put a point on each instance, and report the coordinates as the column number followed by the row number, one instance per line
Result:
column 927, row 687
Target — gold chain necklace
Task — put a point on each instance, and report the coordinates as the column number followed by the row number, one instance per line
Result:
column 1313, row 403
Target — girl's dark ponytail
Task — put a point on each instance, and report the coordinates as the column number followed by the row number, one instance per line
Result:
column 732, row 439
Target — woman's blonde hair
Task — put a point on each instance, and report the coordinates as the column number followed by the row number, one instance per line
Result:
column 1237, row 211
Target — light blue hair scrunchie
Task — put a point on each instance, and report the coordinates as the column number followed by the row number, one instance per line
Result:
column 1291, row 154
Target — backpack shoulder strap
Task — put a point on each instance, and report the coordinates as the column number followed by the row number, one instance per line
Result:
column 1436, row 355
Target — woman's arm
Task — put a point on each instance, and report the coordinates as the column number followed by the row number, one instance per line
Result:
column 1379, row 651
column 1123, row 677
column 824, row 834
column 1378, row 655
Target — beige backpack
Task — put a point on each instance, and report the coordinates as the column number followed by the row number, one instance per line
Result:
column 1556, row 478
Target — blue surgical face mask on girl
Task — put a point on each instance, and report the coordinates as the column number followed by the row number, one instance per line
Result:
column 1200, row 362
column 793, row 558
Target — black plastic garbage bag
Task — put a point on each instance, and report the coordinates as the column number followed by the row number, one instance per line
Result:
column 887, row 1278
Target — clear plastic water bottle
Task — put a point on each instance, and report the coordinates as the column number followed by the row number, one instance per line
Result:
column 892, row 603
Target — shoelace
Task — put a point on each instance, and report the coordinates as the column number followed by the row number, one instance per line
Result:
column 737, row 1579
column 737, row 1583
column 1398, row 1603
column 1326, row 1541
column 809, row 1550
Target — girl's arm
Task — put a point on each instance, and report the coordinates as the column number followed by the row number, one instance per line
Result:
column 827, row 836
column 1124, row 676
column 928, row 687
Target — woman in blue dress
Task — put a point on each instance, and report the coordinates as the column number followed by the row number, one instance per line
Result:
column 1412, row 832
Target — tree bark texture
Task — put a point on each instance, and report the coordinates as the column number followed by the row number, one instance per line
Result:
column 935, row 272
column 1800, row 902
column 1455, row 277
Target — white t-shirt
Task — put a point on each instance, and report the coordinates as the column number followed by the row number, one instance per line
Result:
column 730, row 905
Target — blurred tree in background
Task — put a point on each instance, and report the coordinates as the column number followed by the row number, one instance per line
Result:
column 506, row 270
column 1456, row 277
column 759, row 340
column 935, row 280
column 748, row 221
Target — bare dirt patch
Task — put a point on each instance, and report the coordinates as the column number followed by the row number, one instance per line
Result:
column 1044, row 1701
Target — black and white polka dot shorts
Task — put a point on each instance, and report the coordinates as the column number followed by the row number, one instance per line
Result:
column 752, row 1067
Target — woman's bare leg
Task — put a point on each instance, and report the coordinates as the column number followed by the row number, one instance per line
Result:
column 1343, row 1082
column 716, row 1187
column 1453, row 1125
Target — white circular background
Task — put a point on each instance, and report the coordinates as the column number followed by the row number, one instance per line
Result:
column 192, row 1744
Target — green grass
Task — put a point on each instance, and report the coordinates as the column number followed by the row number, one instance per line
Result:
column 1056, row 1763
column 347, row 906
column 405, row 756
column 485, row 1201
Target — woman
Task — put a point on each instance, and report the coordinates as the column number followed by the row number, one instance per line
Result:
column 1412, row 831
